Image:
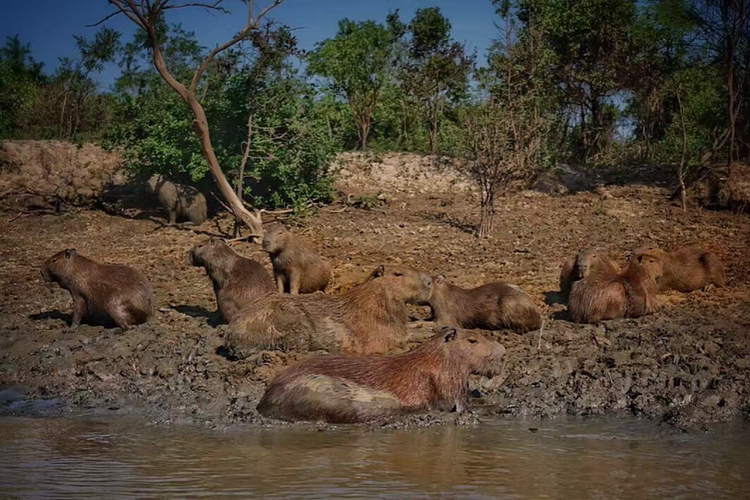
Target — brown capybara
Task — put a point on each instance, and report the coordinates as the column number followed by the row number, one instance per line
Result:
column 297, row 268
column 179, row 200
column 237, row 281
column 586, row 262
column 349, row 389
column 493, row 306
column 370, row 318
column 627, row 294
column 101, row 291
column 687, row 269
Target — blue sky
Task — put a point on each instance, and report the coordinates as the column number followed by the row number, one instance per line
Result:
column 49, row 25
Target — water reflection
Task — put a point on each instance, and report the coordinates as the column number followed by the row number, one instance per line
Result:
column 600, row 458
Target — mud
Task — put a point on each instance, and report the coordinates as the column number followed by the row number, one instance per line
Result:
column 687, row 365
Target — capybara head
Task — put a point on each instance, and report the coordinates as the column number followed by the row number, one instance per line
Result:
column 584, row 262
column 59, row 265
column 273, row 238
column 153, row 182
column 205, row 251
column 404, row 283
column 651, row 264
column 478, row 353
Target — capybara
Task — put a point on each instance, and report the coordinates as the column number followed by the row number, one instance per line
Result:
column 582, row 264
column 297, row 268
column 101, row 291
column 627, row 294
column 493, row 306
column 349, row 389
column 237, row 281
column 687, row 269
column 368, row 319
column 179, row 200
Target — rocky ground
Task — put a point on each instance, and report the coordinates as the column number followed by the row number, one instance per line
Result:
column 687, row 365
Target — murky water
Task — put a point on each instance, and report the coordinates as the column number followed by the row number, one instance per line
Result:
column 568, row 458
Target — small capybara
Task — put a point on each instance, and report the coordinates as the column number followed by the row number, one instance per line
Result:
column 179, row 200
column 237, row 281
column 493, row 306
column 349, row 389
column 687, row 269
column 586, row 262
column 370, row 318
column 627, row 294
column 101, row 291
column 297, row 268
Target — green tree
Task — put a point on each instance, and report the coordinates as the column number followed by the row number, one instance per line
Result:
column 20, row 79
column 357, row 63
column 435, row 70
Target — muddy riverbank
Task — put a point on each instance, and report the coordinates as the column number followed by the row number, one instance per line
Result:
column 688, row 365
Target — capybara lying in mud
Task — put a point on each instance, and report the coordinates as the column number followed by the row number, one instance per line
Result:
column 586, row 262
column 627, row 294
column 493, row 306
column 686, row 269
column 368, row 319
column 348, row 389
column 179, row 200
column 237, row 280
column 101, row 291
column 297, row 268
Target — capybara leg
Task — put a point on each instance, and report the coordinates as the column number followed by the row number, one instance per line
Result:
column 708, row 287
column 294, row 279
column 172, row 216
column 79, row 311
column 279, row 282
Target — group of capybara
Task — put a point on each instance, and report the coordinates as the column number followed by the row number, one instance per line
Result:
column 358, row 381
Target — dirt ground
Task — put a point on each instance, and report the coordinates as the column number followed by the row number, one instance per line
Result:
column 688, row 365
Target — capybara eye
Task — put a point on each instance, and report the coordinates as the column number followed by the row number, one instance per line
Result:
column 398, row 274
column 472, row 341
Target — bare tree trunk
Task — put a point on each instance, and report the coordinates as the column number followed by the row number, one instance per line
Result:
column 240, row 186
column 487, row 220
column 683, row 159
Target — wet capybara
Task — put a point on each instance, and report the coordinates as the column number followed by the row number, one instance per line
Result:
column 627, row 294
column 687, row 269
column 584, row 263
column 493, row 306
column 101, row 291
column 349, row 389
column 237, row 281
column 370, row 318
column 297, row 268
column 179, row 200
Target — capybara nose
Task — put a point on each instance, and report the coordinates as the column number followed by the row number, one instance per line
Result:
column 427, row 280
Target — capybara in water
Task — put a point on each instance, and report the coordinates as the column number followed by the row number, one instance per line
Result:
column 297, row 268
column 687, row 269
column 493, row 306
column 586, row 262
column 237, row 281
column 179, row 200
column 368, row 319
column 348, row 389
column 101, row 291
column 627, row 294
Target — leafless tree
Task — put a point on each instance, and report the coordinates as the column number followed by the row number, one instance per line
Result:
column 146, row 14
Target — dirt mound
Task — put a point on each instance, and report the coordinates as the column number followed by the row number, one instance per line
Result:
column 401, row 173
column 51, row 174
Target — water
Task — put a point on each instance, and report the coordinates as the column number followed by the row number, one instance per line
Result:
column 564, row 458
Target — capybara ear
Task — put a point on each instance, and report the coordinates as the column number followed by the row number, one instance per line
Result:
column 380, row 271
column 214, row 240
column 439, row 278
column 449, row 334
column 69, row 252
